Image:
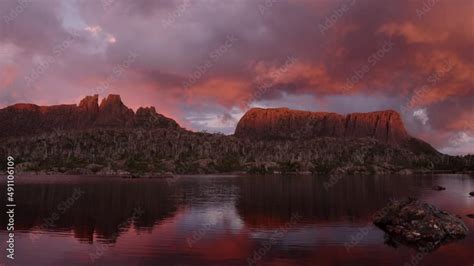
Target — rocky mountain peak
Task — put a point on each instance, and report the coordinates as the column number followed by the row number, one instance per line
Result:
column 111, row 101
column 30, row 119
column 113, row 113
column 90, row 103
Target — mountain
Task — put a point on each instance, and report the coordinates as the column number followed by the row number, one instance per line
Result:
column 111, row 139
column 29, row 119
column 283, row 123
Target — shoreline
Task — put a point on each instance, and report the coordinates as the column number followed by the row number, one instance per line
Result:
column 241, row 173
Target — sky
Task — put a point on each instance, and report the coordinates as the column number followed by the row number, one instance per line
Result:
column 204, row 63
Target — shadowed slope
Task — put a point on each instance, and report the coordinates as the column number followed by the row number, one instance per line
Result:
column 29, row 119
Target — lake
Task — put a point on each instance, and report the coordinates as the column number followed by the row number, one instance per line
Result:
column 225, row 220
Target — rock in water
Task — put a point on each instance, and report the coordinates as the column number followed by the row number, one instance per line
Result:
column 439, row 188
column 419, row 224
column 472, row 194
column 470, row 216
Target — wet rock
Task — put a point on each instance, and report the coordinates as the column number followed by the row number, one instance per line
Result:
column 94, row 167
column 472, row 194
column 470, row 216
column 418, row 224
column 439, row 188
column 123, row 173
column 405, row 172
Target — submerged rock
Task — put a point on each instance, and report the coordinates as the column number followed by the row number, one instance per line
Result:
column 418, row 224
column 472, row 194
column 470, row 216
column 439, row 188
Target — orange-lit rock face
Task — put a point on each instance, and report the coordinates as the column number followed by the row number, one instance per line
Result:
column 28, row 119
column 113, row 113
column 283, row 123
column 386, row 126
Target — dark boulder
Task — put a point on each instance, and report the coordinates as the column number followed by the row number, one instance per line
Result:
column 439, row 188
column 418, row 224
column 472, row 194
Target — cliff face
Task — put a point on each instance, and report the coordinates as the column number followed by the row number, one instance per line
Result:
column 29, row 119
column 113, row 113
column 283, row 123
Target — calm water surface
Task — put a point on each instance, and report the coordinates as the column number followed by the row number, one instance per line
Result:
column 224, row 220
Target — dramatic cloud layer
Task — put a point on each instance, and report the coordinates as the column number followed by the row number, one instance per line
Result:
column 205, row 62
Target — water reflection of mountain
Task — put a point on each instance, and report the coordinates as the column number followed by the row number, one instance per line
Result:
column 101, row 212
column 268, row 201
column 261, row 201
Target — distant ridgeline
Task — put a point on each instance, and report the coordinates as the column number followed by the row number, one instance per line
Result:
column 29, row 119
column 111, row 139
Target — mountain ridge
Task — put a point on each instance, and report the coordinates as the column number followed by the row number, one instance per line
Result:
column 258, row 123
column 281, row 123
column 24, row 119
column 111, row 139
